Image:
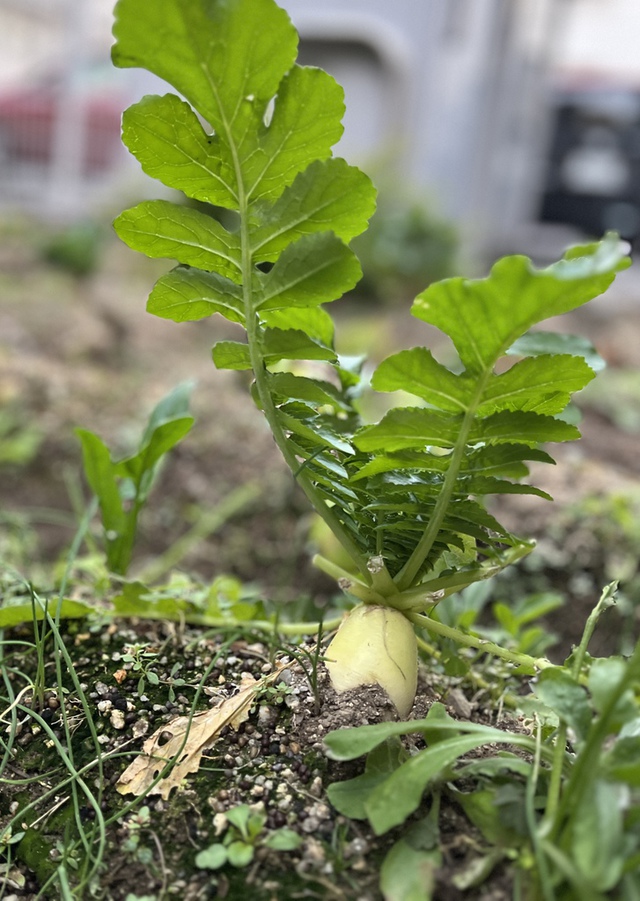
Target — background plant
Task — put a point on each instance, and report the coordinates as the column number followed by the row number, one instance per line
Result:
column 405, row 248
column 122, row 487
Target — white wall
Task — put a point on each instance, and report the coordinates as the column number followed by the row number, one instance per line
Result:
column 602, row 38
column 33, row 39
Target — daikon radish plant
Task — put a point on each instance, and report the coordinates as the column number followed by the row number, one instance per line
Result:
column 250, row 131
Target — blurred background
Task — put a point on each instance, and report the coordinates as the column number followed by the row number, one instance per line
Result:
column 489, row 126
column 494, row 115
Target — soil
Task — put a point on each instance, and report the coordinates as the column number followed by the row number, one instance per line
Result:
column 82, row 352
column 275, row 761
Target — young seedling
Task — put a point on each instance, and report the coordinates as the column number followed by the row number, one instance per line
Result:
column 244, row 832
column 403, row 496
column 122, row 487
column 140, row 658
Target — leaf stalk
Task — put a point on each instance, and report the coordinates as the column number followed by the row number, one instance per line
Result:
column 407, row 575
column 466, row 640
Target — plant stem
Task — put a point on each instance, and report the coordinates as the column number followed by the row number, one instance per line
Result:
column 555, row 779
column 253, row 328
column 258, row 625
column 584, row 770
column 480, row 644
column 348, row 582
column 607, row 598
column 549, row 821
column 405, row 578
column 530, row 814
column 507, row 699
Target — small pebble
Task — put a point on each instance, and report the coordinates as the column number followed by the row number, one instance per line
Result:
column 117, row 719
column 140, row 728
column 315, row 788
column 219, row 823
column 356, row 848
column 320, row 811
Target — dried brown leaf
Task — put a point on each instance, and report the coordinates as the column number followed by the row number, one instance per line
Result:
column 187, row 742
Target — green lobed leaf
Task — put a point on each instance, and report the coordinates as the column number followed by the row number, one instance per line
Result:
column 231, row 355
column 306, row 123
column 159, row 228
column 525, row 427
column 409, row 427
column 168, row 140
column 402, row 460
column 313, row 321
column 482, row 485
column 287, row 386
column 226, row 59
column 534, row 378
column 293, row 344
column 186, row 295
column 485, row 317
column 538, row 343
column 504, row 460
column 329, row 195
column 230, row 60
column 329, row 462
column 314, row 270
column 314, row 428
column 274, row 124
column 417, row 372
column 416, row 427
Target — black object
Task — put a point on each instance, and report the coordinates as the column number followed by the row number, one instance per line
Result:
column 593, row 172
